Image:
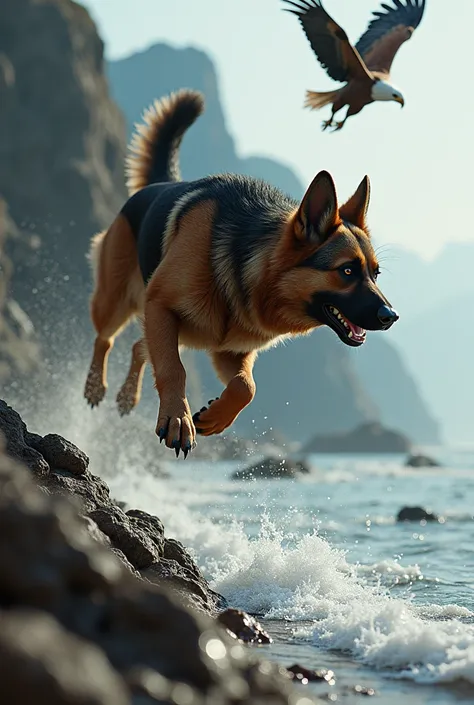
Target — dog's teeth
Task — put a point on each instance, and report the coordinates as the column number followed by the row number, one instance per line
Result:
column 350, row 334
column 335, row 310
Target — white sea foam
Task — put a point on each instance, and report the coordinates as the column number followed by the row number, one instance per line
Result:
column 281, row 577
column 391, row 572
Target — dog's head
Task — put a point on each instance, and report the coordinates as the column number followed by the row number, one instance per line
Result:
column 334, row 270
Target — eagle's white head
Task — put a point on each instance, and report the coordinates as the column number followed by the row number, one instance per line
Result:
column 381, row 90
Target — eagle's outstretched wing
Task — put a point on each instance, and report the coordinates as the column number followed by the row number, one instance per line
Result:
column 329, row 41
column 388, row 31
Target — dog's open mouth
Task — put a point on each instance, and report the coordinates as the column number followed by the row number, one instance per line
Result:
column 349, row 333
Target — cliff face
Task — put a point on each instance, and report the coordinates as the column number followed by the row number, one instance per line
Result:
column 62, row 142
column 18, row 346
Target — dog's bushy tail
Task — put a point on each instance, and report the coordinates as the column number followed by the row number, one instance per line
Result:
column 316, row 101
column 153, row 153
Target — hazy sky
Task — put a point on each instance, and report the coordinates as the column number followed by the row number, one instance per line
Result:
column 419, row 159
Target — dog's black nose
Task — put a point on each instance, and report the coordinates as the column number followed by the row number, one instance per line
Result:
column 387, row 316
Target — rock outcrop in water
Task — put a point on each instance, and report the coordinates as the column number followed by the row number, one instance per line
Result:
column 77, row 626
column 416, row 514
column 273, row 469
column 368, row 438
column 418, row 460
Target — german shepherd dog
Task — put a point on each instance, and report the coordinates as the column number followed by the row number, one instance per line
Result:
column 227, row 264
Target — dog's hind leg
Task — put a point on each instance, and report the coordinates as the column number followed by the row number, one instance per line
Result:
column 114, row 301
column 235, row 370
column 130, row 393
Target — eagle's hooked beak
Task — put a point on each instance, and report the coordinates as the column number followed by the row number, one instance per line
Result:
column 401, row 100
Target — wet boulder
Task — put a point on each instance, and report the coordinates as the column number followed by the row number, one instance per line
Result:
column 416, row 514
column 244, row 627
column 273, row 468
column 418, row 460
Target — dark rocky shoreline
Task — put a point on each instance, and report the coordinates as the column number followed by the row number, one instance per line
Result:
column 99, row 606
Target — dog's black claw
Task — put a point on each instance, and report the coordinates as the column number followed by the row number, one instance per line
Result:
column 162, row 434
column 204, row 408
column 177, row 447
column 193, row 445
column 196, row 416
column 187, row 449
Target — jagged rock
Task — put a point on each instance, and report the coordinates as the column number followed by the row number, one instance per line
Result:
column 137, row 546
column 137, row 538
column 416, row 514
column 18, row 345
column 77, row 628
column 61, row 454
column 273, row 468
column 244, row 627
column 421, row 461
column 367, row 438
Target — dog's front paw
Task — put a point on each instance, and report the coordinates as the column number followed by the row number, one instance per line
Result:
column 176, row 428
column 214, row 418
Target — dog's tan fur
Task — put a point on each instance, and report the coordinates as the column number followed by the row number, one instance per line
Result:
column 193, row 298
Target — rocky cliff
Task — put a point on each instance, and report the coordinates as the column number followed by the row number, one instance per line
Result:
column 18, row 344
column 62, row 143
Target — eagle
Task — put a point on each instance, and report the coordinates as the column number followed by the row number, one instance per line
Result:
column 365, row 68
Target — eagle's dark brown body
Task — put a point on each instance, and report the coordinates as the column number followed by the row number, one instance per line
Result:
column 365, row 68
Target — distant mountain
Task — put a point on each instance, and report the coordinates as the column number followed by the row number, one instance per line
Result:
column 414, row 284
column 312, row 384
column 438, row 345
column 208, row 148
column 435, row 333
column 384, row 375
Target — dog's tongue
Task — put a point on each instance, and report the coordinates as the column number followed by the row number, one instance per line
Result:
column 358, row 333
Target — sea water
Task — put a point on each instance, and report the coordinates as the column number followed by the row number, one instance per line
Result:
column 337, row 582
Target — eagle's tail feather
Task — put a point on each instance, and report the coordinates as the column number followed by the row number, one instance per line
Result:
column 316, row 101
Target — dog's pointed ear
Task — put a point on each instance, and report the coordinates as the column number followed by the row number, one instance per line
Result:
column 318, row 213
column 355, row 210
